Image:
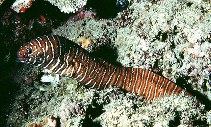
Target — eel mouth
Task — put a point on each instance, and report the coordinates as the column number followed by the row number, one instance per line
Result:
column 22, row 59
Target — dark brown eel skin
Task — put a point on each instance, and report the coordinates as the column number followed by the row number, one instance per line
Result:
column 66, row 58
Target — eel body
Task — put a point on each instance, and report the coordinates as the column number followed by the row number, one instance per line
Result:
column 66, row 58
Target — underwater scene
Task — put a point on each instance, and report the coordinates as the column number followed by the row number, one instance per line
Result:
column 105, row 63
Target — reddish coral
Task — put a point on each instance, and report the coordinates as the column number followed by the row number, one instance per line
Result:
column 22, row 10
column 43, row 18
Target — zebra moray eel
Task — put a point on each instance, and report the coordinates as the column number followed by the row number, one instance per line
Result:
column 66, row 58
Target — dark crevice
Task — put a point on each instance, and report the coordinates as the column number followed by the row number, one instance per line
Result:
column 107, row 53
column 92, row 112
column 107, row 8
column 176, row 121
column 182, row 82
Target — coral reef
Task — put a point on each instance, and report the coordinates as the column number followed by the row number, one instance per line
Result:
column 169, row 37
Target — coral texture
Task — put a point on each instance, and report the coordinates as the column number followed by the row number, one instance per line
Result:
column 89, row 30
column 170, row 35
column 68, row 6
column 131, row 111
column 68, row 104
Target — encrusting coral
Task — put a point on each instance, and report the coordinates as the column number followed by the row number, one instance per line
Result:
column 169, row 36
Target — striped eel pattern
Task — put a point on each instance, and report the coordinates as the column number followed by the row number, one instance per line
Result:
column 66, row 58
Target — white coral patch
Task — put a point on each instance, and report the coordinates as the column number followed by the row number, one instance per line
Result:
column 1, row 1
column 18, row 4
column 68, row 6
column 50, row 78
column 192, row 34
